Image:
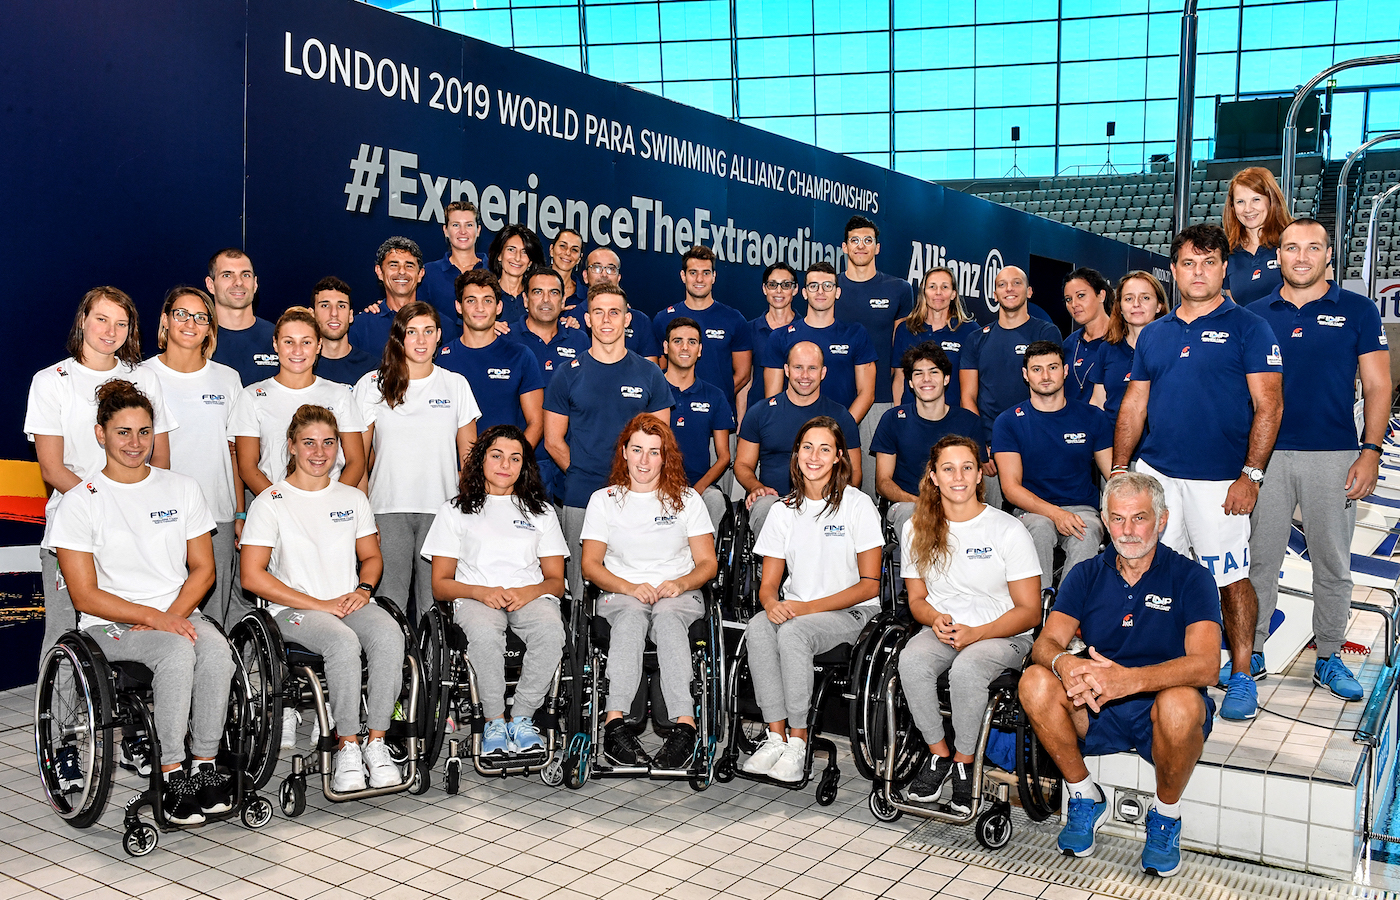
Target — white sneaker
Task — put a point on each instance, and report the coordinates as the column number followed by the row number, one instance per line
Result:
column 316, row 727
column 791, row 766
column 768, row 753
column 382, row 770
column 290, row 720
column 349, row 770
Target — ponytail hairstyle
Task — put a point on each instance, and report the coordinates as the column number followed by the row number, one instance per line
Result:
column 840, row 469
column 1097, row 283
column 673, row 484
column 211, row 340
column 957, row 313
column 529, row 492
column 929, row 548
column 308, row 414
column 129, row 352
column 116, row 395
column 393, row 368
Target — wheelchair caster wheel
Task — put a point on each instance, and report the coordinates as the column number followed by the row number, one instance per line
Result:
column 699, row 782
column 257, row 812
column 293, row 797
column 552, row 774
column 724, row 770
column 883, row 809
column 140, row 840
column 452, row 777
column 577, row 762
column 994, row 827
column 826, row 788
column 421, row 782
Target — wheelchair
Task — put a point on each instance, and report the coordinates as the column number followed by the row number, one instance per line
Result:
column 735, row 585
column 81, row 699
column 452, row 688
column 586, row 655
column 285, row 675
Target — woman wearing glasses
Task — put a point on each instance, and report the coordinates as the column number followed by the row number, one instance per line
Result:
column 779, row 288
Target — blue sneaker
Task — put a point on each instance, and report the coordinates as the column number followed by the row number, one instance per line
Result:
column 1257, row 671
column 1241, row 698
column 495, row 740
column 1162, row 853
column 1334, row 675
column 1085, row 817
column 524, row 736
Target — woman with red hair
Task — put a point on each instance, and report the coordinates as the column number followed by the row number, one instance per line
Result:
column 1255, row 216
column 648, row 546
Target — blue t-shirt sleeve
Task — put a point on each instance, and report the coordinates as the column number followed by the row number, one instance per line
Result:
column 1103, row 429
column 862, row 348
column 741, row 335
column 849, row 429
column 531, row 375
column 645, row 336
column 1261, row 349
column 1201, row 596
column 1100, row 355
column 1004, row 436
column 883, row 440
column 1372, row 333
column 1146, row 356
column 774, row 351
column 971, row 350
column 1051, row 333
column 556, row 393
column 905, row 304
column 748, row 429
column 661, row 396
column 1073, row 590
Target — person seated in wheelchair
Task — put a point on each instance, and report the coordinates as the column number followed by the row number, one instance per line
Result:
column 648, row 546
column 974, row 582
column 498, row 554
column 305, row 538
column 134, row 547
column 1151, row 620
column 828, row 535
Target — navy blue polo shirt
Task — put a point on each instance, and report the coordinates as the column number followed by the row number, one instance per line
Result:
column 350, row 368
column 909, row 437
column 499, row 374
column 1081, row 358
column 1199, row 410
column 773, row 426
column 512, row 307
column 953, row 342
column 1252, row 276
column 844, row 346
column 1056, row 448
column 439, row 287
column 723, row 332
column 1114, row 371
column 1142, row 624
column 567, row 346
column 759, row 333
column 876, row 305
column 1324, row 340
column 996, row 356
column 600, row 399
column 248, row 351
column 700, row 410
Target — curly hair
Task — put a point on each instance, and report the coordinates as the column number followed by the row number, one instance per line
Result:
column 393, row 367
column 116, row 395
column 840, row 470
column 929, row 550
column 1261, row 181
column 528, row 489
column 673, row 484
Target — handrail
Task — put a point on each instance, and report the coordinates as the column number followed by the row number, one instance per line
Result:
column 1352, row 157
column 1371, row 238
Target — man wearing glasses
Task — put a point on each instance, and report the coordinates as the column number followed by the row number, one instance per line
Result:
column 727, row 358
column 602, row 266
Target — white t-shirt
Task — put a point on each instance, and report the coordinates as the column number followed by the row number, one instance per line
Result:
column 136, row 533
column 265, row 409
column 312, row 535
column 646, row 543
column 985, row 554
column 203, row 402
column 820, row 547
column 500, row 546
column 415, row 443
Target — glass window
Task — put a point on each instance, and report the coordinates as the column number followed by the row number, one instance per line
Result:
column 488, row 25
column 992, row 11
column 763, row 18
column 625, row 62
column 853, row 93
column 799, row 128
column 1264, row 71
column 934, row 89
column 935, row 165
column 695, row 60
column 850, row 15
column 775, row 56
column 563, row 56
column 932, row 130
column 1348, row 122
column 1032, row 161
column 853, row 133
column 1010, row 44
column 545, row 27
column 712, row 96
column 1219, row 30
column 621, row 23
column 869, row 52
column 933, row 48
column 1384, row 112
column 1110, row 36
column 918, row 14
column 1000, row 85
column 1037, row 125
column 1111, row 80
column 683, row 20
column 776, row 96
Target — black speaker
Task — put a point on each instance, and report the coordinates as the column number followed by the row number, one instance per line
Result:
column 1112, row 127
column 1015, row 133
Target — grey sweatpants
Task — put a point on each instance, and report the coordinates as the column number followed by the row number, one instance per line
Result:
column 401, row 538
column 539, row 625
column 571, row 523
column 780, row 658
column 183, row 670
column 668, row 621
column 1046, row 537
column 59, row 615
column 716, row 503
column 867, row 434
column 1315, row 482
column 225, row 606
column 339, row 642
column 970, row 671
column 758, row 514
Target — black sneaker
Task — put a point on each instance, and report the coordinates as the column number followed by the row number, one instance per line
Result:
column 180, row 799
column 962, row 788
column 621, row 747
column 929, row 781
column 679, row 749
column 214, row 788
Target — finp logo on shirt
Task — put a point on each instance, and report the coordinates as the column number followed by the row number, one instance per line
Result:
column 265, row 359
column 879, row 303
column 663, row 521
column 954, row 346
column 343, row 515
column 567, row 352
column 979, row 552
column 1153, row 601
column 1215, row 337
column 1332, row 321
column 1275, row 357
column 165, row 516
column 714, row 334
column 439, row 403
column 498, row 374
column 840, row 349
column 699, row 407
column 834, row 531
column 524, row 524
column 1075, row 437
column 1020, row 348
column 629, row 392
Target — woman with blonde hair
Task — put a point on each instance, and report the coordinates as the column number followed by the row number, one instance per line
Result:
column 938, row 316
column 1142, row 299
column 1255, row 216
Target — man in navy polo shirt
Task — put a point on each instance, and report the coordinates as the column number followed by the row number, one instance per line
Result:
column 245, row 341
column 1329, row 334
column 1046, row 449
column 1151, row 620
column 765, row 438
column 460, row 228
column 1207, row 384
column 338, row 360
column 727, row 362
column 991, row 368
column 701, row 417
column 907, row 432
column 504, row 376
column 540, row 329
column 587, row 404
column 399, row 267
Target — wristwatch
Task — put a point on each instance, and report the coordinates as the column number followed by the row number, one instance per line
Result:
column 1254, row 475
column 366, row 587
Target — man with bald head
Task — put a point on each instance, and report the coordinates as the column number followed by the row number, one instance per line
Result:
column 604, row 265
column 991, row 365
column 769, row 429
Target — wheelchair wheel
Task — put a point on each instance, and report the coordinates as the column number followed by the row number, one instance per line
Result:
column 412, row 712
column 258, row 644
column 826, row 788
column 552, row 774
column 881, row 808
column 1037, row 779
column 73, row 712
column 876, row 659
column 257, row 812
column 578, row 761
column 140, row 839
column 437, row 667
column 452, row 777
column 293, row 796
column 993, row 827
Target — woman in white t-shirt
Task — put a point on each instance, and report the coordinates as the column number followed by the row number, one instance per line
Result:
column 420, row 422
column 263, row 409
column 201, row 393
column 133, row 544
column 104, row 343
column 827, row 534
column 310, row 550
column 648, row 545
column 974, row 579
column 498, row 553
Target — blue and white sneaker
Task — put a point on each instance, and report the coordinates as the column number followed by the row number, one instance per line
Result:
column 524, row 736
column 68, row 767
column 1257, row 670
column 495, row 740
column 1241, row 699
column 1161, row 855
column 1334, row 675
column 1086, row 815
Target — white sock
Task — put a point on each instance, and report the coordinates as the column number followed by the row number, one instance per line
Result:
column 1085, row 788
column 1170, row 810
